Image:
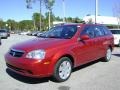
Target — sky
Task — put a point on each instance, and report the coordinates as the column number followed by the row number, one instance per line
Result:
column 16, row 9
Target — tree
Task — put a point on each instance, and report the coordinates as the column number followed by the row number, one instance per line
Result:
column 69, row 19
column 29, row 6
column 77, row 20
column 90, row 21
column 26, row 25
column 74, row 20
column 11, row 24
column 49, row 4
column 52, row 17
column 36, row 20
column 2, row 24
column 58, row 18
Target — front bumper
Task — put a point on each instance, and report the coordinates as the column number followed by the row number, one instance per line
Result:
column 27, row 67
column 116, row 41
column 3, row 36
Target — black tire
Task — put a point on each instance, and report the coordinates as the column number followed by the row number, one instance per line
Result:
column 107, row 55
column 4, row 37
column 57, row 77
column 119, row 44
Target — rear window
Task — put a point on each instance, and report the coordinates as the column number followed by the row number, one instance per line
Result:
column 115, row 31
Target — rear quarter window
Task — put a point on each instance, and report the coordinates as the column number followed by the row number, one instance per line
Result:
column 106, row 30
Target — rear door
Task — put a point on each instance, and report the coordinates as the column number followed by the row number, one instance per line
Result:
column 107, row 38
column 100, row 40
column 86, row 49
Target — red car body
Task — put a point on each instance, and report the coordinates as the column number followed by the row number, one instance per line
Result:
column 79, row 51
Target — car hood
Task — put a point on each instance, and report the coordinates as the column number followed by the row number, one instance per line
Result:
column 40, row 43
column 116, row 35
column 3, row 33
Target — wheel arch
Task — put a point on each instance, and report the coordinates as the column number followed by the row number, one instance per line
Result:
column 56, row 59
column 70, row 57
column 111, row 47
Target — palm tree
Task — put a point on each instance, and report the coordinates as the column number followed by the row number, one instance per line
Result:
column 29, row 2
column 49, row 4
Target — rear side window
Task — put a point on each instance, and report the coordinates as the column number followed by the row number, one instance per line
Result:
column 89, row 30
column 102, row 31
column 98, row 31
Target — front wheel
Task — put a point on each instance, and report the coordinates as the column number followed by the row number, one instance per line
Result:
column 63, row 69
column 108, row 55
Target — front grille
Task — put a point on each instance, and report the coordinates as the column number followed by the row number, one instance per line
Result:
column 19, row 69
column 16, row 53
column 12, row 67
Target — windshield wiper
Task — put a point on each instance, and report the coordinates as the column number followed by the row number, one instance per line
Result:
column 53, row 37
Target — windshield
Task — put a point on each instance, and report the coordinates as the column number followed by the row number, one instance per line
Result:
column 115, row 31
column 65, row 32
column 2, row 30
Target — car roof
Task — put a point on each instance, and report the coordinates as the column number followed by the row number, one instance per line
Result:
column 78, row 24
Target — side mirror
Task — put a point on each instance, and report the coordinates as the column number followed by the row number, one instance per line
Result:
column 84, row 37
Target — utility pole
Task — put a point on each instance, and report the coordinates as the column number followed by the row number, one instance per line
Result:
column 63, row 1
column 96, row 10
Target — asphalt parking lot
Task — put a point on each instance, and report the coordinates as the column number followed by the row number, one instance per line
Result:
column 94, row 76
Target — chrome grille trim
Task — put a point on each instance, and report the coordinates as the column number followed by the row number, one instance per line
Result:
column 16, row 53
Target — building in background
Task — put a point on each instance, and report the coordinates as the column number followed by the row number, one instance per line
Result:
column 57, row 22
column 101, row 19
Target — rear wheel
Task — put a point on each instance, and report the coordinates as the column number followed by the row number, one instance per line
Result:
column 108, row 55
column 63, row 69
column 119, row 44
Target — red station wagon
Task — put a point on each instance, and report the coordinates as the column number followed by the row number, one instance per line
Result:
column 61, row 49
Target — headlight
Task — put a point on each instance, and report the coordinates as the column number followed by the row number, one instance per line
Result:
column 36, row 54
